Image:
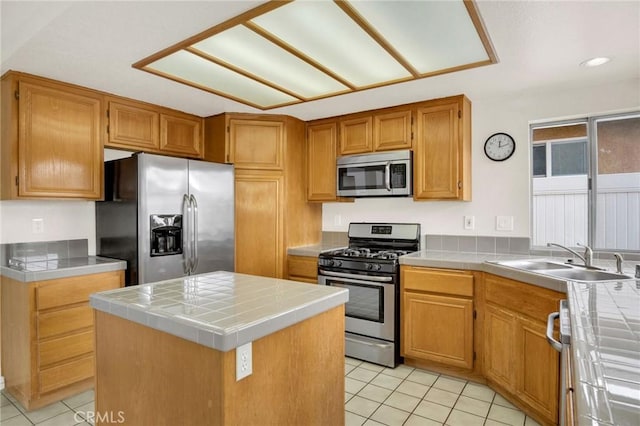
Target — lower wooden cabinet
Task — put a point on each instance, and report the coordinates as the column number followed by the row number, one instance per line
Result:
column 302, row 268
column 437, row 316
column 47, row 336
column 517, row 356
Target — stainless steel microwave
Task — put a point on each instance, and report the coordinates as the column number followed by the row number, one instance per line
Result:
column 375, row 175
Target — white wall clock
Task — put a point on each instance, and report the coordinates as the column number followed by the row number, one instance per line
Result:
column 499, row 146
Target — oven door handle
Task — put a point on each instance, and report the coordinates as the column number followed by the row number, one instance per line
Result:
column 356, row 277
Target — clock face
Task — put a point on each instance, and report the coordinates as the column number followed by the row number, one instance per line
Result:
column 499, row 147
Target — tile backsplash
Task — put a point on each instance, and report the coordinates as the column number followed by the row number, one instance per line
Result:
column 44, row 250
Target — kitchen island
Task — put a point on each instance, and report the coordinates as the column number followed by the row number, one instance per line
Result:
column 166, row 352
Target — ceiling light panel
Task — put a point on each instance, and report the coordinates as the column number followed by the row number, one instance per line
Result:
column 322, row 31
column 259, row 57
column 187, row 67
column 430, row 35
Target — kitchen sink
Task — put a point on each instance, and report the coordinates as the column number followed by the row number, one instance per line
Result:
column 533, row 265
column 579, row 274
column 562, row 270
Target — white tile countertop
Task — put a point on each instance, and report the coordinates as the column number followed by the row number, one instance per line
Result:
column 61, row 268
column 220, row 310
column 605, row 344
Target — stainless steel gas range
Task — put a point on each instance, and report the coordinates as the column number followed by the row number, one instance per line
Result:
column 369, row 268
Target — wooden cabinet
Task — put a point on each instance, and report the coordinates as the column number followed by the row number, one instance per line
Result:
column 133, row 126
column 517, row 356
column 442, row 150
column 380, row 130
column 356, row 135
column 302, row 268
column 51, row 139
column 271, row 209
column 392, row 130
column 246, row 141
column 144, row 127
column 47, row 336
column 259, row 221
column 437, row 316
column 181, row 134
column 321, row 161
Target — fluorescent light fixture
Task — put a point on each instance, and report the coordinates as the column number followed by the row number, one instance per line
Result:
column 594, row 62
column 287, row 52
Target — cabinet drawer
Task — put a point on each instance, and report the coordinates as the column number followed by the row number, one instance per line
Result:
column 303, row 267
column 64, row 321
column 57, row 350
column 437, row 281
column 66, row 374
column 65, row 291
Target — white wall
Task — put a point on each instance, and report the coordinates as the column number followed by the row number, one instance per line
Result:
column 62, row 220
column 498, row 188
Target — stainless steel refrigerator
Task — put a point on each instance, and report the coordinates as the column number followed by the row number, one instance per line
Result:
column 167, row 217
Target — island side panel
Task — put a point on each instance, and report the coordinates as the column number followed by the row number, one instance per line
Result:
column 150, row 377
column 298, row 376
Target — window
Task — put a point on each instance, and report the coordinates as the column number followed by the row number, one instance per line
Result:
column 586, row 182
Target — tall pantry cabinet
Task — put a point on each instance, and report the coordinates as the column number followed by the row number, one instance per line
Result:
column 271, row 213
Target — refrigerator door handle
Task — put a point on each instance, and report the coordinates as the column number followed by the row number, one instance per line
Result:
column 194, row 227
column 186, row 235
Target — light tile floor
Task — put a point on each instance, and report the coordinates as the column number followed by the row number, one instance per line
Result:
column 374, row 395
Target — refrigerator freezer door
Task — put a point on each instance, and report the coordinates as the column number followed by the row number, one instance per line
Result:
column 211, row 186
column 162, row 184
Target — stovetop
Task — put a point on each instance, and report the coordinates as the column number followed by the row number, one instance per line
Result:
column 365, row 253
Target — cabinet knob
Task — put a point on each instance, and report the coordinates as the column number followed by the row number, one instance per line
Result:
column 459, row 184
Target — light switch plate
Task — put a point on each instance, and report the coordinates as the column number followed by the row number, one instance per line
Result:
column 504, row 223
column 469, row 222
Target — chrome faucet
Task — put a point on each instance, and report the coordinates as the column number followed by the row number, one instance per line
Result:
column 587, row 259
column 619, row 260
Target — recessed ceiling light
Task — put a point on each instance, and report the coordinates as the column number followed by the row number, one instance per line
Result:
column 594, row 62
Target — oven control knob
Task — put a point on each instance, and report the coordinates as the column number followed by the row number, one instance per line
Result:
column 338, row 263
column 330, row 262
column 368, row 266
column 377, row 267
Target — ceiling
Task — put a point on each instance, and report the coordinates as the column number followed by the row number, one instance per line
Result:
column 539, row 46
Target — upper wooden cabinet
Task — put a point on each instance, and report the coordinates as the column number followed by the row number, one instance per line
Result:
column 381, row 130
column 442, row 150
column 356, row 135
column 247, row 141
column 392, row 130
column 133, row 126
column 51, row 139
column 181, row 134
column 321, row 161
column 144, row 127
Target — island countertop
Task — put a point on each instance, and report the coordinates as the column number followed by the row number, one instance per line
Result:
column 221, row 310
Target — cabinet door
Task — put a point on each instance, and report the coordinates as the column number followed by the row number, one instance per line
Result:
column 181, row 135
column 321, row 162
column 438, row 328
column 256, row 144
column 499, row 355
column 258, row 217
column 133, row 127
column 392, row 131
column 60, row 144
column 537, row 368
column 436, row 161
column 301, row 268
column 356, row 135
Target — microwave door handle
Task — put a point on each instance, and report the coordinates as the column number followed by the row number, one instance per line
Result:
column 387, row 175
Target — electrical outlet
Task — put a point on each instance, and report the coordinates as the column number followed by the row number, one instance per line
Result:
column 469, row 222
column 504, row 223
column 244, row 361
column 337, row 220
column 37, row 226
